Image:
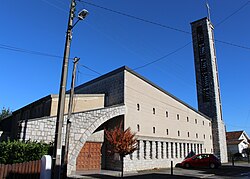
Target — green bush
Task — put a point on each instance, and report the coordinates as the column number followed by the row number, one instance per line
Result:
column 18, row 152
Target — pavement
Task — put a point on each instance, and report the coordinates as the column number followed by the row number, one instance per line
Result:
column 226, row 171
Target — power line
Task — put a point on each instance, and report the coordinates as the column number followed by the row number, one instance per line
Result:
column 226, row 18
column 55, row 6
column 16, row 49
column 90, row 69
column 161, row 58
column 134, row 17
column 168, row 27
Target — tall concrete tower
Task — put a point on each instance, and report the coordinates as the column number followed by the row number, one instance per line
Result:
column 207, row 81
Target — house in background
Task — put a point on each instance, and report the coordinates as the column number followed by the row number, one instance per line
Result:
column 237, row 141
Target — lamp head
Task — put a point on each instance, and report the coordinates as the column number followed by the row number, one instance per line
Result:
column 82, row 14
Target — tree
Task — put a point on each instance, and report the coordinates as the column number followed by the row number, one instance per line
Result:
column 247, row 152
column 5, row 113
column 122, row 142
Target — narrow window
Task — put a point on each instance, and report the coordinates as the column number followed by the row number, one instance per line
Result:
column 188, row 134
column 154, row 130
column 166, row 113
column 172, row 150
column 153, row 110
column 156, row 150
column 210, row 137
column 167, row 131
column 178, row 133
column 187, row 119
column 167, row 149
column 196, row 135
column 204, row 136
column 138, row 107
column 180, row 148
column 195, row 121
column 150, row 149
column 178, row 117
column 176, row 150
column 138, row 128
column 145, row 149
column 162, row 150
column 138, row 149
column 184, row 149
column 203, row 123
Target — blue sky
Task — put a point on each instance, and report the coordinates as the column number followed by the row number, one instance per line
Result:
column 106, row 40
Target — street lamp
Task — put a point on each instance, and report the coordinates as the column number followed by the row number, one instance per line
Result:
column 57, row 152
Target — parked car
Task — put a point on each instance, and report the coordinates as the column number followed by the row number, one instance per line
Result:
column 201, row 160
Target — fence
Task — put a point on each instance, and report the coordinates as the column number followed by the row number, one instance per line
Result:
column 26, row 170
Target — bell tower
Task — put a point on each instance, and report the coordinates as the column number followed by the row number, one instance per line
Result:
column 207, row 82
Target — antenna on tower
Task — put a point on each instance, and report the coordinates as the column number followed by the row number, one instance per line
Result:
column 208, row 10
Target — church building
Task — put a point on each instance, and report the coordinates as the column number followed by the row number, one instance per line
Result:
column 167, row 129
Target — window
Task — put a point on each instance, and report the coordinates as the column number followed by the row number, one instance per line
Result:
column 167, row 149
column 187, row 119
column 204, row 136
column 210, row 137
column 153, row 110
column 176, row 150
column 184, row 149
column 167, row 131
column 145, row 149
column 138, row 107
column 195, row 121
column 178, row 117
column 150, row 149
column 180, row 148
column 162, row 156
column 178, row 133
column 156, row 150
column 196, row 135
column 166, row 113
column 203, row 123
column 154, row 130
column 172, row 150
column 188, row 134
column 138, row 149
column 138, row 128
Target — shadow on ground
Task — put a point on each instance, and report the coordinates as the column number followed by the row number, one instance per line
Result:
column 146, row 176
column 226, row 171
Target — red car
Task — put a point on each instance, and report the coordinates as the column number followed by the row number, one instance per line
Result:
column 202, row 160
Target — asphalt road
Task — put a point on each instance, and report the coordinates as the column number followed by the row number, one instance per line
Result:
column 227, row 171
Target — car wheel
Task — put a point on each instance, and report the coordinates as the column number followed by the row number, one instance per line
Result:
column 212, row 165
column 187, row 165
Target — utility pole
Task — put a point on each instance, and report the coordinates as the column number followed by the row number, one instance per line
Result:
column 68, row 117
column 57, row 152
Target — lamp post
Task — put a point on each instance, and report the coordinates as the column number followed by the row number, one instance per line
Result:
column 57, row 152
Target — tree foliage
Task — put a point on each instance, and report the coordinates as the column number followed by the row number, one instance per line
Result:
column 5, row 112
column 18, row 152
column 122, row 141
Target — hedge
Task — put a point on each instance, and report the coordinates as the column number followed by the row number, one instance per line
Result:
column 18, row 152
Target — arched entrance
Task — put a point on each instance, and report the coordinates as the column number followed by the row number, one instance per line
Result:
column 82, row 127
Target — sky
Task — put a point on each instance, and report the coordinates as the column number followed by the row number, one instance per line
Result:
column 117, row 33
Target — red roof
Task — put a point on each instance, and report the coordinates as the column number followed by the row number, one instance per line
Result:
column 235, row 135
